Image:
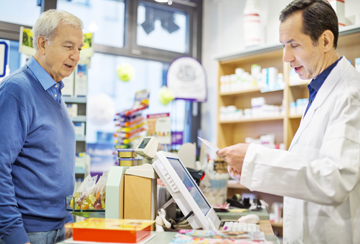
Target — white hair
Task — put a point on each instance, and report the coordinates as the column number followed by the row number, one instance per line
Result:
column 48, row 22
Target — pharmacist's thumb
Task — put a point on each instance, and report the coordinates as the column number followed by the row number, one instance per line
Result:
column 222, row 153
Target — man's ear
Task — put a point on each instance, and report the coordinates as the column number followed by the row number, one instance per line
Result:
column 327, row 40
column 41, row 42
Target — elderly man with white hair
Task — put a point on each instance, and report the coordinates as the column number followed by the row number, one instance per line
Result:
column 37, row 138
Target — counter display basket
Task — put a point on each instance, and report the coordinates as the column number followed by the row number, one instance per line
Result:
column 76, row 210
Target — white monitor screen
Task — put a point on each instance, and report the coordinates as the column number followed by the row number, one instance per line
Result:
column 144, row 142
column 190, row 185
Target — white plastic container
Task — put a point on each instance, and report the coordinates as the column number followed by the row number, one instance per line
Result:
column 339, row 7
column 252, row 24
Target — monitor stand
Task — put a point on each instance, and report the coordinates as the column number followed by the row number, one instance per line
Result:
column 147, row 160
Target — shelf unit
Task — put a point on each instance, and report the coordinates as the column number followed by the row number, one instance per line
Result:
column 81, row 102
column 284, row 127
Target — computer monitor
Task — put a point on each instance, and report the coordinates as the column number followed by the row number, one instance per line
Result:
column 185, row 191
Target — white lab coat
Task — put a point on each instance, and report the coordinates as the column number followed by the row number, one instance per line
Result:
column 320, row 174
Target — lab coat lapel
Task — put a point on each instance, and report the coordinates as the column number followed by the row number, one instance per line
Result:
column 321, row 96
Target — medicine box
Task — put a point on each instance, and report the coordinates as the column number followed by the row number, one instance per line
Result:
column 79, row 128
column 111, row 230
column 72, row 109
column 68, row 90
column 339, row 7
column 81, row 75
column 80, row 162
column 126, row 153
column 129, row 161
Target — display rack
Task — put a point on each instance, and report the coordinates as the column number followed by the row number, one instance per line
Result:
column 283, row 127
column 81, row 102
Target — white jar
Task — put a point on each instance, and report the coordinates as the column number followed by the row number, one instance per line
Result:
column 252, row 24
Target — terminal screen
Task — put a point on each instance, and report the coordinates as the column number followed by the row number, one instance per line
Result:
column 144, row 142
column 190, row 185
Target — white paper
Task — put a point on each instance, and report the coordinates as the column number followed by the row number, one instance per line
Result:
column 209, row 144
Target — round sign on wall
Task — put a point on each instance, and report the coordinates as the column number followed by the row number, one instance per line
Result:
column 186, row 79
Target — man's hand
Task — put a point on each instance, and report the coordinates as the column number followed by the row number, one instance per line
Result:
column 68, row 233
column 234, row 155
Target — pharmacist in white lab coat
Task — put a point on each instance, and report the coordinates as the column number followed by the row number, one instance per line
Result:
column 320, row 173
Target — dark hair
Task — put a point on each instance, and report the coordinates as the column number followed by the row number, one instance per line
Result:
column 318, row 16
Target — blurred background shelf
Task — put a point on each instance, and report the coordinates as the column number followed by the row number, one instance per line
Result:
column 244, row 120
column 79, row 118
column 75, row 99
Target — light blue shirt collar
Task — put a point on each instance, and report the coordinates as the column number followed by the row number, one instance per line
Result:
column 41, row 74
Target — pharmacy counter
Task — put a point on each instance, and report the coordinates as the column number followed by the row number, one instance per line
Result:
column 166, row 237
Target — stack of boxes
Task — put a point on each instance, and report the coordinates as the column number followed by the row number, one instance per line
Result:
column 127, row 157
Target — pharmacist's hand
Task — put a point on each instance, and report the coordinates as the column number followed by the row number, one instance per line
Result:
column 234, row 155
column 68, row 233
column 234, row 173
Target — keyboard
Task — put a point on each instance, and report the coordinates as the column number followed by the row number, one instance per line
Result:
column 236, row 226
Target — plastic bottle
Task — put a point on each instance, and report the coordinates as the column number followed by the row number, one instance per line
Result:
column 252, row 24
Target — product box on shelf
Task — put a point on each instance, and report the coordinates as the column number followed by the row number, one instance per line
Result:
column 79, row 128
column 72, row 109
column 68, row 90
column 81, row 76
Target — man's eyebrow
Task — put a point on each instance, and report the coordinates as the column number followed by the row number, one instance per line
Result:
column 289, row 41
column 72, row 43
column 68, row 42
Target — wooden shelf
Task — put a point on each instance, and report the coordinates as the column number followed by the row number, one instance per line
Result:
column 303, row 83
column 235, row 131
column 238, row 186
column 348, row 30
column 235, row 185
column 296, row 116
column 267, row 49
column 245, row 120
column 279, row 224
column 251, row 90
column 249, row 53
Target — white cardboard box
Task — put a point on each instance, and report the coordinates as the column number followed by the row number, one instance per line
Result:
column 72, row 109
column 339, row 7
column 79, row 128
column 81, row 75
column 68, row 90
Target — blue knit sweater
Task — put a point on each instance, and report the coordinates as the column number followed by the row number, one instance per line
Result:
column 37, row 155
